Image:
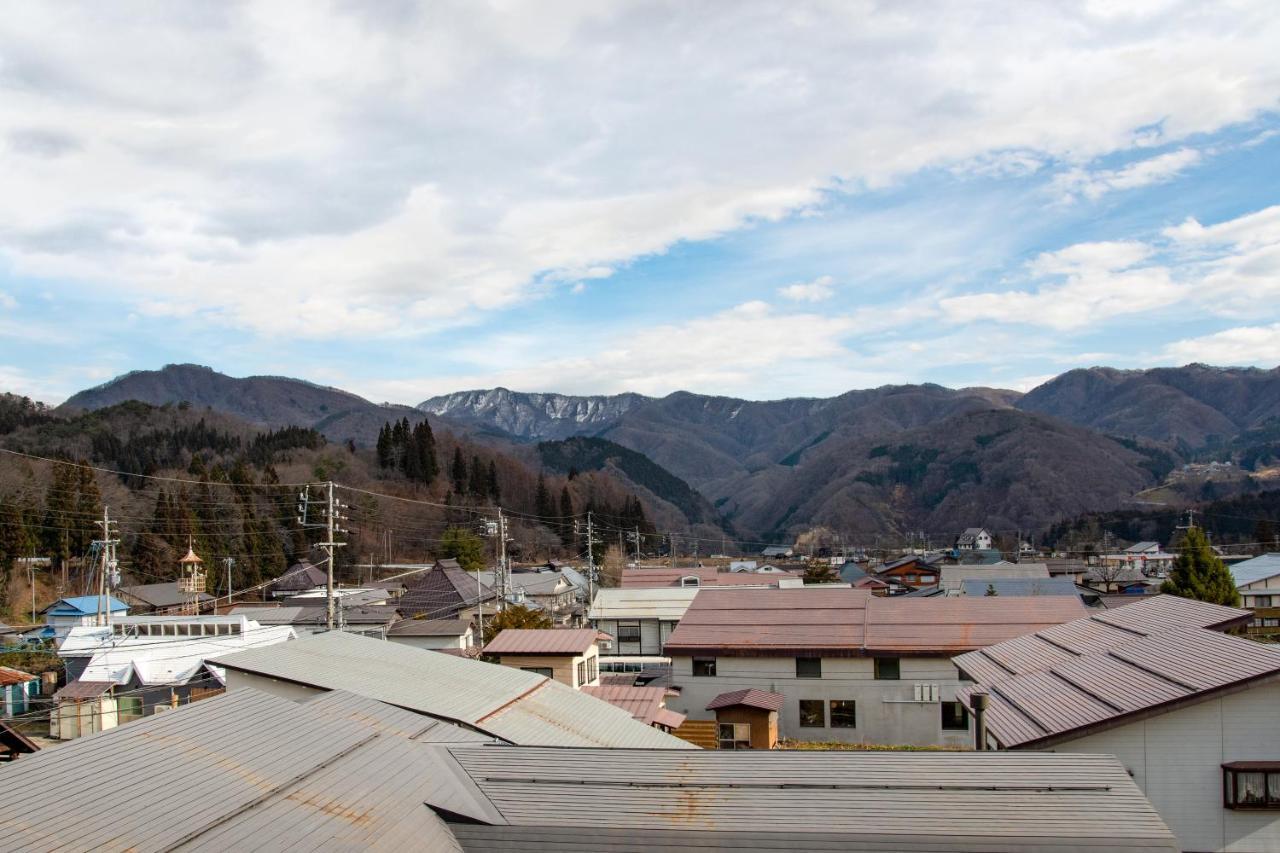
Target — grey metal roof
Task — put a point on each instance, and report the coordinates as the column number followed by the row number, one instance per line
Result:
column 245, row 770
column 161, row 594
column 317, row 614
column 773, row 799
column 1257, row 569
column 518, row 706
column 429, row 628
column 666, row 603
column 1020, row 586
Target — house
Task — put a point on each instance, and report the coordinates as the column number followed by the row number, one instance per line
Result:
column 1073, row 569
column 857, row 577
column 445, row 591
column 77, row 611
column 1190, row 712
column 339, row 771
column 908, row 573
column 1145, row 557
column 159, row 598
column 777, row 552
column 646, row 704
column 1031, row 586
column 747, row 718
column 126, row 670
column 17, row 689
column 854, row 667
column 499, row 701
column 313, row 617
column 569, row 655
column 639, row 619
column 1258, row 581
column 952, row 578
column 300, row 577
column 9, row 636
column 433, row 633
column 694, row 578
column 550, row 590
column 344, row 597
column 974, row 539
column 742, row 565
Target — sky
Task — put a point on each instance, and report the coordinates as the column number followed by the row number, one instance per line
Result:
column 760, row 200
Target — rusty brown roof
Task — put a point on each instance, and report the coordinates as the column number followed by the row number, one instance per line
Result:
column 542, row 641
column 707, row 576
column 9, row 675
column 1135, row 678
column 84, row 689
column 643, row 703
column 840, row 622
column 751, row 697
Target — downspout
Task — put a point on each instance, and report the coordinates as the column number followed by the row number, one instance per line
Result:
column 978, row 701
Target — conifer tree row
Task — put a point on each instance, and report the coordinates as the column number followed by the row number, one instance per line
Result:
column 410, row 450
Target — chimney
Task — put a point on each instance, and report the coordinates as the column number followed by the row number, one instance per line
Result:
column 978, row 701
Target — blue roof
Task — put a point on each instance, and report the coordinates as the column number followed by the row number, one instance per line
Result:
column 82, row 605
column 1022, row 586
column 1259, row 568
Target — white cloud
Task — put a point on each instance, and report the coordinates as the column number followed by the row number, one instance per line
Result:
column 1244, row 345
column 817, row 290
column 317, row 169
column 1153, row 170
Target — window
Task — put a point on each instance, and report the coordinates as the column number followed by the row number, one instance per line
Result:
column 954, row 717
column 1262, row 601
column 129, row 707
column 813, row 713
column 735, row 736
column 1251, row 785
column 690, row 580
column 628, row 632
column 582, row 672
column 704, row 666
column 888, row 669
column 539, row 670
column 844, row 714
column 593, row 669
column 808, row 667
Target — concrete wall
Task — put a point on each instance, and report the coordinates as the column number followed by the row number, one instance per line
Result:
column 887, row 711
column 1176, row 759
column 286, row 689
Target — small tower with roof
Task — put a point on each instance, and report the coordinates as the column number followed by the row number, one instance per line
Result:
column 191, row 580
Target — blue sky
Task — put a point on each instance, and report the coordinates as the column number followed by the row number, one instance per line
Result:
column 753, row 199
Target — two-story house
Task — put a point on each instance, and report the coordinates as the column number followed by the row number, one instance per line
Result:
column 974, row 539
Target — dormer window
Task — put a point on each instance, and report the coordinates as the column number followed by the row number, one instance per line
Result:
column 690, row 580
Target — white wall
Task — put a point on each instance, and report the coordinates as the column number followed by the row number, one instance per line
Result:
column 887, row 712
column 286, row 689
column 1176, row 759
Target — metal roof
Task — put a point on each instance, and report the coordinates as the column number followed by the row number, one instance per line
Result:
column 245, row 770
column 317, row 614
column 1020, row 586
column 657, row 578
column 9, row 675
column 1144, row 675
column 518, row 706
column 667, row 604
column 429, row 628
column 643, row 703
column 82, row 605
column 161, row 594
column 83, row 689
column 782, row 800
column 751, row 697
column 1256, row 569
column 853, row 622
column 442, row 592
column 534, row 641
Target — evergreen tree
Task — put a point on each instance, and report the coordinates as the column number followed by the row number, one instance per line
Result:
column 88, row 506
column 821, row 571
column 477, row 486
column 1264, row 535
column 429, row 466
column 410, row 459
column 1199, row 574
column 516, row 616
column 384, row 446
column 459, row 472
column 462, row 545
column 566, row 517
column 542, row 505
column 15, row 541
column 491, row 484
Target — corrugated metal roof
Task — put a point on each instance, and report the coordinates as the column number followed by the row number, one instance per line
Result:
column 751, row 697
column 1257, row 569
column 161, row 594
column 668, row 604
column 643, row 703
column 773, row 799
column 9, row 675
column 1019, row 586
column 245, row 770
column 82, row 605
column 1047, row 688
column 707, row 577
column 388, row 719
column 518, row 706
column 429, row 628
column 442, row 592
column 533, row 641
column 836, row 621
column 83, row 689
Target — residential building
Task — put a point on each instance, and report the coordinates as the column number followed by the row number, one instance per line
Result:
column 646, row 704
column 639, row 619
column 433, row 633
column 550, row 589
column 952, row 578
column 77, row 611
column 126, row 670
column 17, row 689
column 446, row 591
column 694, row 578
column 569, row 655
column 1147, row 558
column 159, row 598
column 908, row 573
column 313, row 617
column 339, row 771
column 974, row 539
column 853, row 667
column 301, row 576
column 1258, row 581
column 344, row 596
column 777, row 552
column 1190, row 712
column 505, row 703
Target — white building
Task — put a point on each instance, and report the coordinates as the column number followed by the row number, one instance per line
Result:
column 433, row 634
column 852, row 667
column 1193, row 714
column 974, row 539
column 639, row 620
column 1258, row 581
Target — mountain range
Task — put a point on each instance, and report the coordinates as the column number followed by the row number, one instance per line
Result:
column 887, row 459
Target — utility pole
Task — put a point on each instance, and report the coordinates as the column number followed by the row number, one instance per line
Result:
column 229, row 562
column 332, row 517
column 637, row 546
column 591, row 560
column 502, row 560
column 108, row 564
column 672, row 538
